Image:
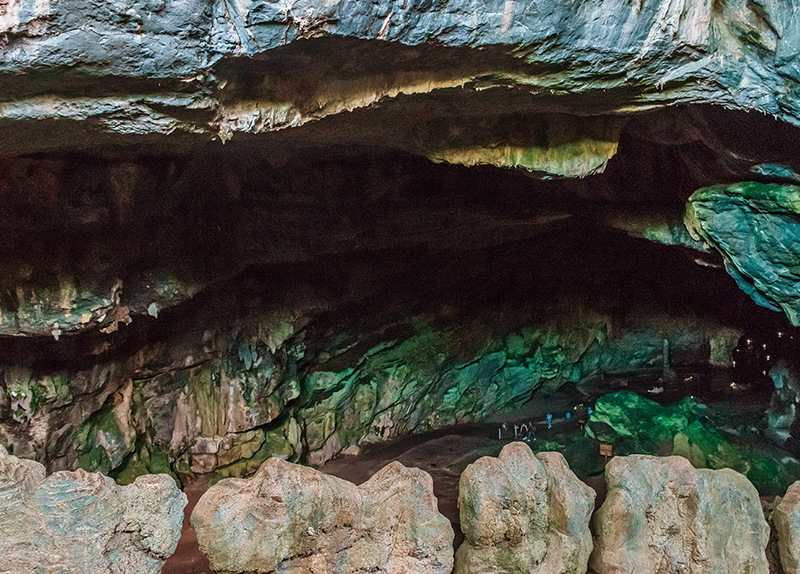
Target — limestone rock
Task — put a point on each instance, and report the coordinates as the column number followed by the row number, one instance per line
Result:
column 786, row 518
column 522, row 513
column 81, row 522
column 669, row 49
column 293, row 518
column 663, row 516
column 754, row 227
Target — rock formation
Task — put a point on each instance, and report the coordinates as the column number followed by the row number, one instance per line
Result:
column 764, row 263
column 786, row 519
column 221, row 71
column 633, row 424
column 522, row 513
column 291, row 518
column 663, row 516
column 240, row 229
column 81, row 522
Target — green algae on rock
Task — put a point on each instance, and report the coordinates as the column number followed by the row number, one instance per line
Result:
column 635, row 425
column 756, row 229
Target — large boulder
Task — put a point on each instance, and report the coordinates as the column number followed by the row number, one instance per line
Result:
column 786, row 519
column 81, row 522
column 663, row 516
column 522, row 513
column 291, row 518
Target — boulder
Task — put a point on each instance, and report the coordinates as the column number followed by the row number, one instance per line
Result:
column 291, row 518
column 81, row 522
column 522, row 513
column 663, row 516
column 786, row 518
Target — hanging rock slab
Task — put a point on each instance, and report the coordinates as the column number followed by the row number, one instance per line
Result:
column 755, row 228
column 663, row 516
column 291, row 518
column 522, row 513
column 80, row 522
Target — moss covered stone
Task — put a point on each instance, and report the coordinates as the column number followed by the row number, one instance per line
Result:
column 635, row 425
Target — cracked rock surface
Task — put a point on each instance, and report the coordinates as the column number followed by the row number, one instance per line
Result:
column 662, row 516
column 82, row 522
column 523, row 514
column 291, row 518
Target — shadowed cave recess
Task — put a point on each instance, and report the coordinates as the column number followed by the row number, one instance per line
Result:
column 198, row 311
column 302, row 236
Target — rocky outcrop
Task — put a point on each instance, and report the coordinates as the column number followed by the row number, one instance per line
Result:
column 305, row 371
column 202, row 204
column 292, row 518
column 754, row 227
column 633, row 424
column 522, row 513
column 786, row 519
column 83, row 522
column 661, row 515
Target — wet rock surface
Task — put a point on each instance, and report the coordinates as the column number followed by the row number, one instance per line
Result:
column 293, row 518
column 522, row 513
column 662, row 515
column 83, row 522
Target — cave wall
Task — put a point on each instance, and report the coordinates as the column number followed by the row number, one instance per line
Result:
column 254, row 310
column 233, row 230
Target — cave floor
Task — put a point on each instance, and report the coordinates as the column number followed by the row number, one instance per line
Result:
column 446, row 452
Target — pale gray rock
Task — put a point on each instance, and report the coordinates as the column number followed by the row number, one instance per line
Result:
column 522, row 513
column 80, row 522
column 786, row 518
column 294, row 519
column 663, row 516
column 184, row 56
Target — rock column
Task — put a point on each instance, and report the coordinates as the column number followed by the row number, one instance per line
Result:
column 523, row 514
column 663, row 516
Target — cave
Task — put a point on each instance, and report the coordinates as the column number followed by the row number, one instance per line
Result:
column 345, row 235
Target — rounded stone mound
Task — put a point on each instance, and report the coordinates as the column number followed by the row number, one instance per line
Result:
column 290, row 518
column 83, row 522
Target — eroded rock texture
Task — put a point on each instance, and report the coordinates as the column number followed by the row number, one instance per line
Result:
column 663, row 516
column 522, row 513
column 218, row 69
column 290, row 518
column 81, row 522
column 305, row 358
column 239, row 229
column 756, row 228
column 786, row 519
